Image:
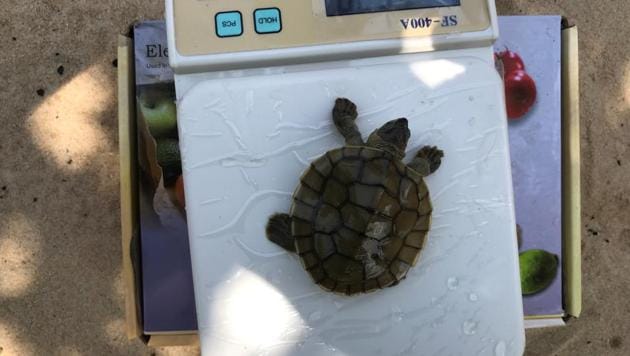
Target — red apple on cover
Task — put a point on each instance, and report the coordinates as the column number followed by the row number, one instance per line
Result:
column 520, row 93
column 511, row 61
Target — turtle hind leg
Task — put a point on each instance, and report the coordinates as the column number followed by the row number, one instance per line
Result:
column 427, row 160
column 279, row 231
column 344, row 114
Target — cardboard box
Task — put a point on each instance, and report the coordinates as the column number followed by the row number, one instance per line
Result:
column 129, row 194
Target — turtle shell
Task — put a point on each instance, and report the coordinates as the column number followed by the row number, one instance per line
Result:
column 359, row 218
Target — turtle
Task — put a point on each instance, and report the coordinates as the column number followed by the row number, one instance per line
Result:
column 359, row 216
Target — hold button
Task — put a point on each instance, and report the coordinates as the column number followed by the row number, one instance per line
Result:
column 267, row 20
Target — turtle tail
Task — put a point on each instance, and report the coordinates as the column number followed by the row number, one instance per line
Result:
column 279, row 231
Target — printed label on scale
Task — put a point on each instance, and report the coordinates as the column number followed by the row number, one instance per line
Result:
column 426, row 22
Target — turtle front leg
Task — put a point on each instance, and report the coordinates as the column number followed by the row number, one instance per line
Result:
column 427, row 160
column 344, row 114
column 279, row 231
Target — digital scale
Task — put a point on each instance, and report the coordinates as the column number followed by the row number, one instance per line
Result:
column 256, row 81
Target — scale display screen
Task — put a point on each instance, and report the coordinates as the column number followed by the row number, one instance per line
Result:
column 351, row 7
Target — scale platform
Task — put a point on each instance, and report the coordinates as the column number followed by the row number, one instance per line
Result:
column 250, row 125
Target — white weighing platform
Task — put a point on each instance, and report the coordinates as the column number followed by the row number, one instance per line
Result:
column 254, row 108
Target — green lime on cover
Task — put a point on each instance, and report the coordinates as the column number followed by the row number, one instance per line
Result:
column 538, row 270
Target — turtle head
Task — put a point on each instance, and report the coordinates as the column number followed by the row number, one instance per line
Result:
column 391, row 137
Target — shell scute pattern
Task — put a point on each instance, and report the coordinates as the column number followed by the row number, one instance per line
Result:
column 365, row 219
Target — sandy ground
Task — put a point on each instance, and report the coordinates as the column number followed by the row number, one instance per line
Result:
column 60, row 273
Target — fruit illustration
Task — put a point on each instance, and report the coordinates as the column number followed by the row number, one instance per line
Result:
column 511, row 61
column 168, row 157
column 160, row 115
column 538, row 270
column 520, row 88
column 179, row 192
column 520, row 93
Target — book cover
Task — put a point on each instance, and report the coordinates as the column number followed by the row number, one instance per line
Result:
column 529, row 49
column 167, row 286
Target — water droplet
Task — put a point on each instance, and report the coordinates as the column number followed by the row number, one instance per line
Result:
column 499, row 349
column 397, row 314
column 315, row 316
column 452, row 283
column 471, row 98
column 472, row 121
column 473, row 297
column 469, row 327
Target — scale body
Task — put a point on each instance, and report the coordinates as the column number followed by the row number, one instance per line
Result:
column 254, row 108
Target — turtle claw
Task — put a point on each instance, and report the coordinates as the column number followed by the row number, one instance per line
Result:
column 344, row 114
column 431, row 155
column 344, row 108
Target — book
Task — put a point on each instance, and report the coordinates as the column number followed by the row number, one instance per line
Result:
column 529, row 49
column 168, row 304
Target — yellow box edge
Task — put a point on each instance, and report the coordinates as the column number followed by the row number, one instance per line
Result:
column 547, row 316
column 128, row 199
column 174, row 340
column 571, row 185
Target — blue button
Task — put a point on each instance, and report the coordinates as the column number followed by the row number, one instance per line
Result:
column 229, row 24
column 268, row 20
